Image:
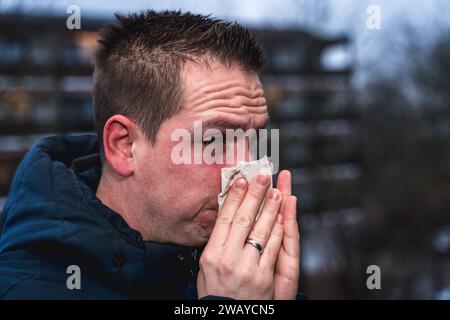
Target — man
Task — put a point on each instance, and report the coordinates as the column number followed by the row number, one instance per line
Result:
column 116, row 217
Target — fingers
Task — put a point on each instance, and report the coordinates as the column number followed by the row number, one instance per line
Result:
column 284, row 183
column 291, row 235
column 289, row 211
column 244, row 218
column 225, row 216
column 264, row 225
column 273, row 246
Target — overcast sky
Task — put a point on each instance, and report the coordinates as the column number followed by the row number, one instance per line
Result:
column 342, row 14
column 325, row 16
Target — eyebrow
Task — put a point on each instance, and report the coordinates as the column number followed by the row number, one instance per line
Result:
column 225, row 124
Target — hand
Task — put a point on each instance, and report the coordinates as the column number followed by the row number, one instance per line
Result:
column 287, row 269
column 230, row 267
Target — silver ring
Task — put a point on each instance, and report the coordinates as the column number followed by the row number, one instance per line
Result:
column 256, row 244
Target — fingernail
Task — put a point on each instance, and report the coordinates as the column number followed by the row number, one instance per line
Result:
column 274, row 195
column 241, row 184
column 262, row 179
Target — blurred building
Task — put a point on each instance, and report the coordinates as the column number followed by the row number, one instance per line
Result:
column 45, row 88
column 307, row 84
column 45, row 84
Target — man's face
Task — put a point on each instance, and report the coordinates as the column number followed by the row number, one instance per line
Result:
column 179, row 201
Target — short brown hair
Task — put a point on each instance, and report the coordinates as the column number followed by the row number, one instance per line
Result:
column 138, row 63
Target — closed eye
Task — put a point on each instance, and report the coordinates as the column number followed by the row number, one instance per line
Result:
column 211, row 139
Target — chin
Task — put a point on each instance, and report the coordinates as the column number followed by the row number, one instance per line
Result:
column 200, row 229
column 199, row 240
column 208, row 220
column 204, row 229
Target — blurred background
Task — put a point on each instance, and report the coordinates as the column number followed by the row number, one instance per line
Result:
column 361, row 95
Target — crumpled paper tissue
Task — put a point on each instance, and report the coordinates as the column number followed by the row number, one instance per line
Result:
column 246, row 170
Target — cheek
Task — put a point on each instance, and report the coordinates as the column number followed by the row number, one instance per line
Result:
column 198, row 181
column 211, row 176
column 205, row 178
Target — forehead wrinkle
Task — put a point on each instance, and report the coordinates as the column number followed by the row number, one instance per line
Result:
column 210, row 84
column 241, row 106
column 228, row 95
column 250, row 96
column 225, row 89
column 244, row 100
column 236, row 106
column 242, row 113
column 238, row 119
column 247, row 105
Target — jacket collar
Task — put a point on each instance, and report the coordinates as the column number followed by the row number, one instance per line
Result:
column 168, row 265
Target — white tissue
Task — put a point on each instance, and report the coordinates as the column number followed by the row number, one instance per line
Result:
column 246, row 170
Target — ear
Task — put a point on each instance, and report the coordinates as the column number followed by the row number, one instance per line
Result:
column 119, row 133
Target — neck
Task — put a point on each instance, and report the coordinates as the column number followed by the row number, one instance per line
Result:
column 114, row 193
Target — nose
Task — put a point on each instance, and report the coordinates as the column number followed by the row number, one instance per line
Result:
column 239, row 151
